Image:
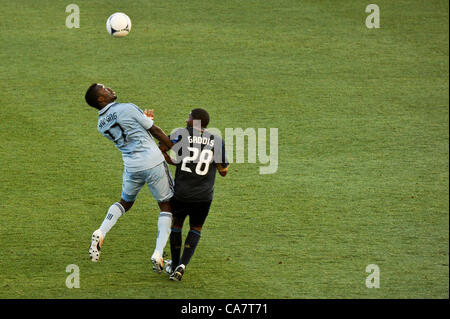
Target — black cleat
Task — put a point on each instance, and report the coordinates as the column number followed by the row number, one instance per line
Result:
column 178, row 273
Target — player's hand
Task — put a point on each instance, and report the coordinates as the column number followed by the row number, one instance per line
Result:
column 222, row 170
column 149, row 113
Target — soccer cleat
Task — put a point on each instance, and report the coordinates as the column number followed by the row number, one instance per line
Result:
column 168, row 266
column 158, row 262
column 178, row 273
column 96, row 245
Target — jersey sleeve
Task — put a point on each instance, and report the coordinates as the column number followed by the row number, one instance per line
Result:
column 177, row 135
column 136, row 113
column 174, row 140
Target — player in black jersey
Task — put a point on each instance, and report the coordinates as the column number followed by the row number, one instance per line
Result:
column 199, row 154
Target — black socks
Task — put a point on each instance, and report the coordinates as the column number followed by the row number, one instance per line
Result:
column 190, row 244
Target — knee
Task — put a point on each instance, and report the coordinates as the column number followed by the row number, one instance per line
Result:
column 196, row 228
column 126, row 205
column 177, row 223
column 165, row 207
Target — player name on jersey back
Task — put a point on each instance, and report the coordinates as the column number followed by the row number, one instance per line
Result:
column 107, row 119
column 201, row 140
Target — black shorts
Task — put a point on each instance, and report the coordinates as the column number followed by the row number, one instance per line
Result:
column 197, row 211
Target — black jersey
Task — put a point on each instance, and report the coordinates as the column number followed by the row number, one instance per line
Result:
column 197, row 155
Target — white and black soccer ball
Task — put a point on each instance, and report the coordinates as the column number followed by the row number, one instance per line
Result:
column 118, row 25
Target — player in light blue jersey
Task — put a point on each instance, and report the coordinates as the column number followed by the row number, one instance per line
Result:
column 131, row 131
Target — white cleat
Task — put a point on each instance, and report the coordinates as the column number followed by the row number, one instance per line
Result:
column 96, row 245
column 158, row 262
column 168, row 266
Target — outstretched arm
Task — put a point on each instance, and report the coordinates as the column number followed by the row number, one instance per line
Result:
column 167, row 157
column 163, row 146
column 159, row 134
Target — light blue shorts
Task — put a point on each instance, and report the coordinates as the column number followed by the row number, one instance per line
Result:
column 158, row 180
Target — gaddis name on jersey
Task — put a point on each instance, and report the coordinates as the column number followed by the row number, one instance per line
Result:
column 201, row 140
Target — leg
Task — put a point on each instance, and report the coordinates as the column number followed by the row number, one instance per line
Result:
column 164, row 222
column 191, row 242
column 114, row 212
column 165, row 206
column 160, row 184
column 132, row 183
column 197, row 218
column 126, row 205
column 175, row 238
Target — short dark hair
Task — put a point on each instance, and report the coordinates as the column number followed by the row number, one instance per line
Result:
column 91, row 96
column 202, row 115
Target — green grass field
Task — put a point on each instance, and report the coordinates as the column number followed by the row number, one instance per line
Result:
column 363, row 146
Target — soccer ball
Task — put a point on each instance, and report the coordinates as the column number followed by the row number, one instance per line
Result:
column 118, row 25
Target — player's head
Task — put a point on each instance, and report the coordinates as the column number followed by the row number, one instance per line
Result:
column 198, row 114
column 97, row 95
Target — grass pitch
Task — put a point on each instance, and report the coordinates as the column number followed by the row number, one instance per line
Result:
column 362, row 118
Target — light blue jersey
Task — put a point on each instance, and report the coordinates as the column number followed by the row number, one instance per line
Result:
column 126, row 125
